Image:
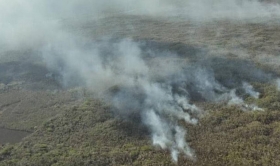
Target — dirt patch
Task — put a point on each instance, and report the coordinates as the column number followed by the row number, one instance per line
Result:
column 11, row 136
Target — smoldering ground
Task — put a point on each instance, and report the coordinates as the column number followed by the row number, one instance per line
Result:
column 144, row 79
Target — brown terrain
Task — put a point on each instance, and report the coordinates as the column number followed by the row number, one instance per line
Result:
column 48, row 124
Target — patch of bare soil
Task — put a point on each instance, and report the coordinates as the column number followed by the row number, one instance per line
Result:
column 11, row 136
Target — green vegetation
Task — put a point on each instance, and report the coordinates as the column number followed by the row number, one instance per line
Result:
column 85, row 135
column 89, row 134
column 230, row 136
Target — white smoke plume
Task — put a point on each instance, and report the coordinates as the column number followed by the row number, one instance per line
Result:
column 278, row 84
column 233, row 100
column 160, row 92
column 124, row 78
column 135, row 84
column 250, row 90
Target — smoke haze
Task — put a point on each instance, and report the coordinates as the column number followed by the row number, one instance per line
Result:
column 160, row 87
column 32, row 23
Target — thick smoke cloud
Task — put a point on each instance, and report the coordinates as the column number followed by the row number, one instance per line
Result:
column 119, row 73
column 160, row 87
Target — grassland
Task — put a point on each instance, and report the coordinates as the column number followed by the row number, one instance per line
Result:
column 67, row 131
column 89, row 134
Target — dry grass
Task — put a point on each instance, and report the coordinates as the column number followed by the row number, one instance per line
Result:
column 90, row 135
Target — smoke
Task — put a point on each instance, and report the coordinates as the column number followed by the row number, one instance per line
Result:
column 233, row 99
column 167, row 135
column 29, row 24
column 159, row 87
column 250, row 90
column 135, row 85
column 278, row 84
